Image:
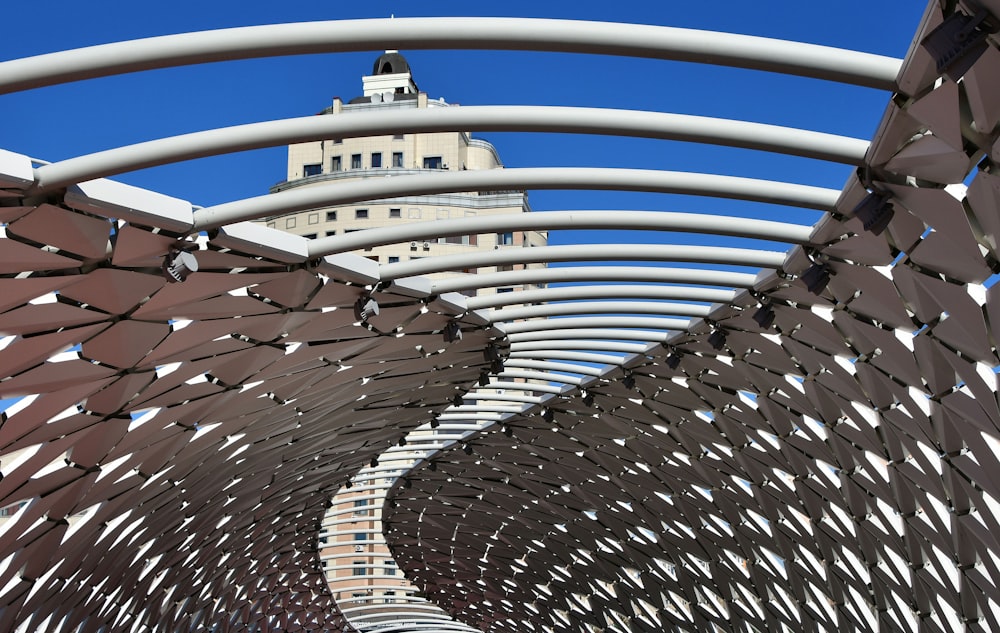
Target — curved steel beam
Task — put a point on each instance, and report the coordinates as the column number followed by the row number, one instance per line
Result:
column 606, row 332
column 597, row 308
column 587, row 178
column 522, row 386
column 588, row 323
column 527, row 374
column 545, row 365
column 658, row 125
column 580, row 357
column 589, row 252
column 574, row 274
column 555, row 220
column 655, row 42
column 605, row 346
column 570, row 293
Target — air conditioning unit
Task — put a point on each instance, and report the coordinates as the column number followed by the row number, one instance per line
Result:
column 427, row 246
column 359, row 548
column 496, row 247
column 413, row 244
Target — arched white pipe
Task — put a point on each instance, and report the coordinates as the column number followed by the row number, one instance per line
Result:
column 658, row 125
column 300, row 198
column 605, row 38
column 569, row 220
column 570, row 293
column 582, row 253
column 577, row 274
column 597, row 307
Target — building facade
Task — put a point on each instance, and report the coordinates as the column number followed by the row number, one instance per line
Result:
column 390, row 87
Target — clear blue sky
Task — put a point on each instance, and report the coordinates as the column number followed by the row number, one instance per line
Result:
column 63, row 121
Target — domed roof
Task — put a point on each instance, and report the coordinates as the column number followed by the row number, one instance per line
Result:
column 390, row 63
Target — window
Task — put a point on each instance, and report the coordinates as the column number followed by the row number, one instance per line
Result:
column 270, row 225
column 313, row 218
column 290, row 223
column 505, row 239
column 393, row 259
column 360, row 536
column 355, row 161
column 312, row 170
column 329, row 233
column 432, row 162
column 360, row 508
column 413, row 213
column 331, row 216
column 395, row 213
column 397, row 159
column 388, row 597
column 336, row 164
column 503, row 290
column 458, row 239
column 310, row 236
column 359, row 568
column 397, row 137
column 361, row 214
column 390, row 568
column 338, row 141
column 376, row 159
column 443, row 214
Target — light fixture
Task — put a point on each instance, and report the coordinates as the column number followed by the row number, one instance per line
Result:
column 457, row 401
column 452, row 332
column 875, row 212
column 674, row 360
column 492, row 355
column 402, row 441
column 764, row 316
column 177, row 265
column 365, row 308
column 628, row 381
column 374, row 462
column 816, row 278
column 435, row 423
column 432, row 466
column 588, row 399
column 959, row 41
column 717, row 339
column 484, row 379
column 467, row 449
column 509, row 432
column 548, row 415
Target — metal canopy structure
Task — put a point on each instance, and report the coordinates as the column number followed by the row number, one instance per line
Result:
column 798, row 433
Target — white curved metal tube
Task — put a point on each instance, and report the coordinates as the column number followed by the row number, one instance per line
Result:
column 581, row 357
column 651, row 323
column 656, row 42
column 582, row 344
column 590, row 252
column 555, row 220
column 523, row 386
column 527, row 374
column 598, row 307
column 587, row 178
column 544, row 365
column 569, row 293
column 606, row 332
column 658, row 125
column 575, row 274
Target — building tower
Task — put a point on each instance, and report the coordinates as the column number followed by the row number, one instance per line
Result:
column 390, row 87
column 362, row 574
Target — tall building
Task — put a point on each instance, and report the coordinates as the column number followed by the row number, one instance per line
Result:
column 362, row 574
column 391, row 87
